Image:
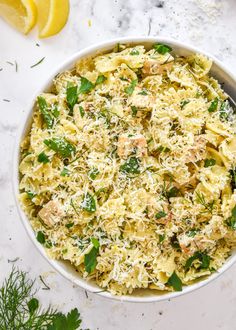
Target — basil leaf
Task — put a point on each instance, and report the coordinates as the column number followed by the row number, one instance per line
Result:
column 100, row 79
column 43, row 158
column 93, row 173
column 61, row 146
column 134, row 52
column 209, row 162
column 162, row 49
column 86, row 86
column 71, row 97
column 131, row 166
column 231, row 221
column 160, row 214
column 43, row 107
column 175, row 282
column 214, row 105
column 88, row 204
column 202, row 257
column 40, row 237
column 134, row 110
column 129, row 90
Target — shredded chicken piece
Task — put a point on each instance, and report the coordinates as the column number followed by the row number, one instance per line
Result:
column 127, row 145
column 152, row 67
column 51, row 213
column 198, row 152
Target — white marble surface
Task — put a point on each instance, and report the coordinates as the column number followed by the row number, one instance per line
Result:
column 212, row 28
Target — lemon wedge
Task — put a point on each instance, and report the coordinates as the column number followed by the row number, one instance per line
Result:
column 52, row 16
column 21, row 14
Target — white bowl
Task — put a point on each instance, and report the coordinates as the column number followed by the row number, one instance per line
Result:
column 64, row 268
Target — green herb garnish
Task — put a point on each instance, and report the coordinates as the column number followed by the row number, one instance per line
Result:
column 209, row 162
column 88, row 204
column 175, row 282
column 69, row 225
column 172, row 192
column 183, row 103
column 162, row 49
column 82, row 112
column 39, row 62
column 65, row 172
column 41, row 237
column 160, row 214
column 100, row 79
column 143, row 92
column 93, row 173
column 192, row 232
column 202, row 257
column 134, row 110
column 71, row 97
column 86, row 86
column 129, row 90
column 30, row 195
column 131, row 166
column 161, row 238
column 43, row 107
column 90, row 259
column 231, row 221
column 134, row 52
column 61, row 146
column 43, row 158
column 214, row 105
column 201, row 200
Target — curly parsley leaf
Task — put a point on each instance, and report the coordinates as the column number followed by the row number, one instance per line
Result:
column 231, row 221
column 43, row 158
column 202, row 257
column 131, row 166
column 162, row 49
column 214, row 105
column 86, row 86
column 209, row 162
column 130, row 89
column 71, row 321
column 175, row 282
column 90, row 259
column 88, row 204
column 61, row 146
column 43, row 107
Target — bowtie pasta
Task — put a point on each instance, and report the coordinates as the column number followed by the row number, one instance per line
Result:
column 128, row 169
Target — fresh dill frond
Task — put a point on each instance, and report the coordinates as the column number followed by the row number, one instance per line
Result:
column 20, row 310
column 201, row 200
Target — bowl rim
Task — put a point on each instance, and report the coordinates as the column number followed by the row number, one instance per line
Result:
column 78, row 280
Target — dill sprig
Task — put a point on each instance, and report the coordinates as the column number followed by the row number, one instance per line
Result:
column 20, row 310
column 201, row 200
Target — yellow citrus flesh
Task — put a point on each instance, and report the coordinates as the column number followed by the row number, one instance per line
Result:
column 52, row 16
column 21, row 14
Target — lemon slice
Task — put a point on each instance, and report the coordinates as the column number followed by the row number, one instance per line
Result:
column 52, row 16
column 21, row 14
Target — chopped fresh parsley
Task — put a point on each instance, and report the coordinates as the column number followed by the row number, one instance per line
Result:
column 82, row 112
column 161, row 238
column 90, row 259
column 130, row 89
column 183, row 103
column 175, row 282
column 134, row 52
column 71, row 97
column 55, row 111
column 143, row 92
column 192, row 232
column 225, row 110
column 100, row 80
column 93, row 173
column 160, row 214
column 172, row 192
column 162, row 49
column 43, row 158
column 202, row 257
column 88, row 204
column 41, row 237
column 231, row 221
column 163, row 149
column 131, row 166
column 209, row 162
column 69, row 225
column 86, row 86
column 65, row 172
column 61, row 146
column 214, row 105
column 30, row 195
column 43, row 107
column 134, row 110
